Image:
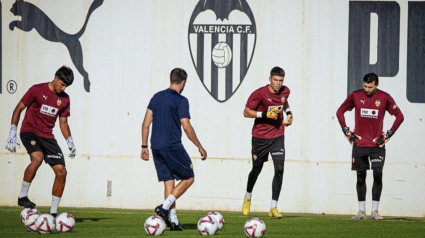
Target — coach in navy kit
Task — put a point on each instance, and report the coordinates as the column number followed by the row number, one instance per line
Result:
column 168, row 111
column 368, row 138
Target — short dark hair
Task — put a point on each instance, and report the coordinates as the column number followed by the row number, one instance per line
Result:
column 370, row 77
column 65, row 74
column 277, row 71
column 177, row 75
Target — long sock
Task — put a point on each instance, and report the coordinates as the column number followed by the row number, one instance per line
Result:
column 248, row 195
column 362, row 205
column 375, row 205
column 173, row 216
column 273, row 204
column 24, row 189
column 168, row 202
column 55, row 204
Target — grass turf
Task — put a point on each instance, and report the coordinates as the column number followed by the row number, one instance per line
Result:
column 93, row 222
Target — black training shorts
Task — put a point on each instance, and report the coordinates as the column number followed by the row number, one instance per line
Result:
column 262, row 147
column 50, row 148
column 363, row 155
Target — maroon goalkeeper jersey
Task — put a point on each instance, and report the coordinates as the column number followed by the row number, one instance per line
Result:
column 43, row 108
column 263, row 100
column 369, row 114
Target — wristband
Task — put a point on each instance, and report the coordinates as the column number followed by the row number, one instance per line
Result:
column 259, row 114
column 288, row 111
column 144, row 146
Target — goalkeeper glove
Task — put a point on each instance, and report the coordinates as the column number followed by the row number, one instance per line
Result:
column 272, row 114
column 71, row 147
column 288, row 120
column 384, row 138
column 12, row 142
column 351, row 137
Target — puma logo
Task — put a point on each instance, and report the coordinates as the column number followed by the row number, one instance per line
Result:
column 269, row 99
column 34, row 18
column 362, row 101
column 45, row 97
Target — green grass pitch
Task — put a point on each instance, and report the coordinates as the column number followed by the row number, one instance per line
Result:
column 93, row 222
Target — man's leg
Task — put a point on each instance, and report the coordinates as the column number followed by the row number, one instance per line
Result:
column 276, row 187
column 376, row 192
column 175, row 225
column 29, row 174
column 58, row 187
column 361, row 194
column 252, row 179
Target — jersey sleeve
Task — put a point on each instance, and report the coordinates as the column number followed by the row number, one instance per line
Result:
column 391, row 106
column 183, row 109
column 29, row 96
column 253, row 101
column 66, row 111
column 347, row 105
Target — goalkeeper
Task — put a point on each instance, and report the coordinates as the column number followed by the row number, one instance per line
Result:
column 267, row 105
column 44, row 103
column 368, row 138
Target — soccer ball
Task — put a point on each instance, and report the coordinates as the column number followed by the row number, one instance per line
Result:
column 30, row 221
column 45, row 224
column 65, row 222
column 218, row 217
column 155, row 225
column 255, row 227
column 221, row 54
column 28, row 211
column 207, row 226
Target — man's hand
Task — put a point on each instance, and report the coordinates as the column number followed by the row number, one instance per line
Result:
column 351, row 137
column 203, row 153
column 273, row 113
column 71, row 147
column 288, row 120
column 12, row 142
column 145, row 154
column 384, row 138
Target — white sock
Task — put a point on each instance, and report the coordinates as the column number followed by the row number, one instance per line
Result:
column 273, row 204
column 24, row 189
column 173, row 216
column 168, row 202
column 362, row 205
column 248, row 195
column 55, row 204
column 375, row 205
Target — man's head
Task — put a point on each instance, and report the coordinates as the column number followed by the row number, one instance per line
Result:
column 370, row 83
column 178, row 78
column 63, row 78
column 276, row 78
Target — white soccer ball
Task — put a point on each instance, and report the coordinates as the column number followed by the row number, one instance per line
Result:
column 255, row 227
column 155, row 225
column 30, row 221
column 207, row 226
column 221, row 54
column 28, row 211
column 218, row 217
column 65, row 222
column 45, row 224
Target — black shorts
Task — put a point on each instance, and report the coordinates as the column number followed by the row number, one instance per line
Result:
column 363, row 155
column 52, row 152
column 262, row 147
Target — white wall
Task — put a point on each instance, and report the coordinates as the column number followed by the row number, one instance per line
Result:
column 129, row 49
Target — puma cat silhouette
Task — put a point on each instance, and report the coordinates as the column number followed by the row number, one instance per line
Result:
column 34, row 18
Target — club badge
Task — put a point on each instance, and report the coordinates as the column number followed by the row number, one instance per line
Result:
column 377, row 103
column 58, row 102
column 222, row 37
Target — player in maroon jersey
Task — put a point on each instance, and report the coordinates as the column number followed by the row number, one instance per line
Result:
column 44, row 103
column 267, row 105
column 368, row 138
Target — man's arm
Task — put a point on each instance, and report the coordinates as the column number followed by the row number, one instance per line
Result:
column 12, row 141
column 190, row 132
column 145, row 133
column 272, row 114
column 66, row 132
column 290, row 116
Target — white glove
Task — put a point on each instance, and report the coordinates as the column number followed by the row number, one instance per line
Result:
column 13, row 140
column 71, row 147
